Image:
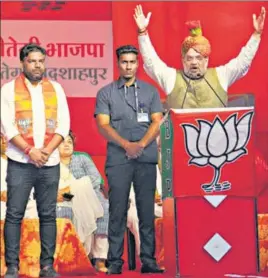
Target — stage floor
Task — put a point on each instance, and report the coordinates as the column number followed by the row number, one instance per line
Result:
column 137, row 274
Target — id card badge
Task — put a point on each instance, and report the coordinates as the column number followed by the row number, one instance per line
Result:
column 143, row 117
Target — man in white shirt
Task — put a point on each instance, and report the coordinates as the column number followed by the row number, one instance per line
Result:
column 35, row 119
column 196, row 86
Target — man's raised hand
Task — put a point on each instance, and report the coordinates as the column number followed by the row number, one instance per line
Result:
column 141, row 21
column 258, row 22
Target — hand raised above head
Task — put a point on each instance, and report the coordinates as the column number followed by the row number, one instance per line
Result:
column 141, row 21
column 258, row 22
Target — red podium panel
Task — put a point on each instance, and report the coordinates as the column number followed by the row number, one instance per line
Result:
column 216, row 240
column 209, row 193
column 216, row 146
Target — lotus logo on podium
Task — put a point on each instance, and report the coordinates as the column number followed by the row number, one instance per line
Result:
column 217, row 143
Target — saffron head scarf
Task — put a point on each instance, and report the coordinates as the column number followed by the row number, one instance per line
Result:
column 196, row 40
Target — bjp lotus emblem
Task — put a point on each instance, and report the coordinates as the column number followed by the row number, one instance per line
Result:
column 217, row 143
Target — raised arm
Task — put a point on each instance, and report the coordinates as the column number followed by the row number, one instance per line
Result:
column 165, row 76
column 239, row 66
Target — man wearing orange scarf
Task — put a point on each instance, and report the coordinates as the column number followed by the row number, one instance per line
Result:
column 196, row 86
column 34, row 119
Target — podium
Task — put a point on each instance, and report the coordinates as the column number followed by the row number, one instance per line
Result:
column 209, row 195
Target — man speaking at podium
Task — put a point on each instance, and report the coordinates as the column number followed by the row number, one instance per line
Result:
column 196, row 86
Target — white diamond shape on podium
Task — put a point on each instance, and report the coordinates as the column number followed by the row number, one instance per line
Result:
column 217, row 247
column 215, row 200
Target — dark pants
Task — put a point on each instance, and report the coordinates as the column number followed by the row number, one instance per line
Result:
column 120, row 177
column 21, row 178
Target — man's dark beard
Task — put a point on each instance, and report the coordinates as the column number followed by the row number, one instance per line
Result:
column 31, row 78
column 198, row 76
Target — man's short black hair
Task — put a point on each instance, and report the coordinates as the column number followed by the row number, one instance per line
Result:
column 31, row 47
column 125, row 49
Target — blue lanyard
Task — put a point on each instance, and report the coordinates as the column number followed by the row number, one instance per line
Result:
column 136, row 96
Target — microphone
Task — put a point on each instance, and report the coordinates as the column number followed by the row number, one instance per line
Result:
column 223, row 104
column 188, row 85
column 198, row 76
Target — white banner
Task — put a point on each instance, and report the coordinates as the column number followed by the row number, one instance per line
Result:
column 79, row 53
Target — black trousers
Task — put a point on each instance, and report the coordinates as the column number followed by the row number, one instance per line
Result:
column 21, row 178
column 120, row 177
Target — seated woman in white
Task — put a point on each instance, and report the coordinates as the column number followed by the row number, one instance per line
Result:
column 84, row 204
column 82, row 166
